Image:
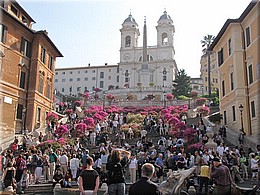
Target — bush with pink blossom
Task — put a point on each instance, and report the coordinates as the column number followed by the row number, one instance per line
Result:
column 62, row 131
column 169, row 97
column 52, row 117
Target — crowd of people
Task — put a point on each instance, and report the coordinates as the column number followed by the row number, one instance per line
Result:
column 116, row 159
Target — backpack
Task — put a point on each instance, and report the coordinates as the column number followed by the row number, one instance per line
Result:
column 34, row 159
column 22, row 164
column 115, row 173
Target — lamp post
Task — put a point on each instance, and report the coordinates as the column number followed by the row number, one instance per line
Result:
column 24, row 122
column 241, row 115
column 189, row 99
column 164, row 99
column 104, row 98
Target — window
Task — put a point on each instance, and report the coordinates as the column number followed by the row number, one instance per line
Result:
column 3, row 33
column 86, row 89
column 78, row 89
column 86, row 71
column 78, row 79
column 19, row 112
column 56, row 73
column 223, row 88
column 101, row 75
column 109, row 70
column 234, row 113
column 62, row 90
column 258, row 71
column 22, row 80
column 86, row 78
column 220, row 57
column 127, row 41
column 56, row 80
column 93, row 78
column 225, row 117
column 71, row 79
column 51, row 62
column 109, row 77
column 231, row 81
column 48, row 91
column 40, row 87
column 63, row 72
column 206, row 78
column 14, row 10
column 78, row 72
column 229, row 47
column 216, row 80
column 151, row 78
column 70, row 89
column 25, row 48
column 43, row 55
column 71, row 72
column 117, row 70
column 63, row 80
column 149, row 58
column 38, row 115
column 164, row 39
column 93, row 71
column 101, row 85
column 117, row 79
column 127, row 79
column 253, row 109
column 248, row 38
column 250, row 74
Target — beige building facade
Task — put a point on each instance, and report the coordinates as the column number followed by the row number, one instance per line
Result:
column 213, row 73
column 238, row 47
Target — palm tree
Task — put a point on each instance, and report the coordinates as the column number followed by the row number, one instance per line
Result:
column 206, row 42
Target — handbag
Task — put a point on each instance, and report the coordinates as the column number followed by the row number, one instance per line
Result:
column 234, row 189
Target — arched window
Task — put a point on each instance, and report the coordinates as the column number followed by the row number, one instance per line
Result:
column 128, row 41
column 149, row 58
column 164, row 39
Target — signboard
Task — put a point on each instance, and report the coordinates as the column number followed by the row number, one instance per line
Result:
column 8, row 100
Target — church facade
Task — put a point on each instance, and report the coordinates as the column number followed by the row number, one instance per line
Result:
column 150, row 69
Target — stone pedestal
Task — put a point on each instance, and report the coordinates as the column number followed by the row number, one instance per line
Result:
column 211, row 144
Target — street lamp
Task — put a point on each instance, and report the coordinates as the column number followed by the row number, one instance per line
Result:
column 164, row 99
column 104, row 97
column 24, row 120
column 241, row 115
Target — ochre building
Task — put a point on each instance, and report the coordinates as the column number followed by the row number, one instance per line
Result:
column 27, row 59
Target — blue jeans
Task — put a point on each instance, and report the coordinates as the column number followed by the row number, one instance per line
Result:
column 116, row 189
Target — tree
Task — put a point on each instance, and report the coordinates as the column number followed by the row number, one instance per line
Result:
column 181, row 84
column 205, row 43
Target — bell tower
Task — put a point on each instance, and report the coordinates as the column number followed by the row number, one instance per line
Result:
column 165, row 31
column 129, row 39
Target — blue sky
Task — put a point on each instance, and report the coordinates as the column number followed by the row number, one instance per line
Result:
column 87, row 31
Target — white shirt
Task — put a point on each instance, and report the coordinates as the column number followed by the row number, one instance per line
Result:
column 133, row 163
column 63, row 160
column 74, row 163
column 220, row 150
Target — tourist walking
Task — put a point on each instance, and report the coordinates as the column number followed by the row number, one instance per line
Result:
column 74, row 166
column 204, row 175
column 221, row 178
column 133, row 165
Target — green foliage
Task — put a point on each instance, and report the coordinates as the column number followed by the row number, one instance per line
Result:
column 181, row 84
column 183, row 97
